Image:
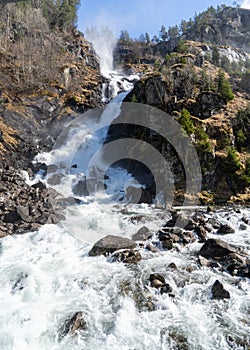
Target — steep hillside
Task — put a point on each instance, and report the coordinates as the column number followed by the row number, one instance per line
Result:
column 213, row 107
column 48, row 75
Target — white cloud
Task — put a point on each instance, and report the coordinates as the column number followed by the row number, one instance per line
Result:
column 246, row 4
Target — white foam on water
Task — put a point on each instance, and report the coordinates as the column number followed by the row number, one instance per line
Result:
column 47, row 276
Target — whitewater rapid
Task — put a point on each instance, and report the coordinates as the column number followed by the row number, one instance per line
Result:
column 47, row 276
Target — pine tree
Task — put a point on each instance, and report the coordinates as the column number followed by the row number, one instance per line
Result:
column 186, row 121
column 224, row 87
column 215, row 56
column 163, row 33
column 124, row 37
column 147, row 39
column 173, row 32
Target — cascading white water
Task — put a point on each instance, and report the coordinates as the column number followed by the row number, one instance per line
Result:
column 104, row 43
column 47, row 276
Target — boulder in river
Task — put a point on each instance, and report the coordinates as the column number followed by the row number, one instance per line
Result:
column 218, row 291
column 142, row 235
column 110, row 244
column 213, row 248
column 225, row 229
column 201, row 233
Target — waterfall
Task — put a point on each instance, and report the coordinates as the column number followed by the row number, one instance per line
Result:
column 47, row 276
column 104, row 43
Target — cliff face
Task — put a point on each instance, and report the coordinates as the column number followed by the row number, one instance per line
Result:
column 188, row 87
column 230, row 26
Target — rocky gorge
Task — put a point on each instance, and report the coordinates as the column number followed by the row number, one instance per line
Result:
column 178, row 277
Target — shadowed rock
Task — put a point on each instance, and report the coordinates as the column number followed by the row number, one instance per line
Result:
column 218, row 291
column 110, row 244
column 216, row 248
column 142, row 235
column 225, row 229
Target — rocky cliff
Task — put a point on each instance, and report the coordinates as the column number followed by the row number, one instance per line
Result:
column 188, row 87
column 228, row 27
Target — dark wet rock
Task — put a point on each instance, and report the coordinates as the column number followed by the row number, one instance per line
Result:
column 232, row 258
column 138, row 195
column 244, row 271
column 138, row 218
column 157, row 280
column 243, row 227
column 142, row 235
column 181, row 220
column 128, row 256
column 199, row 218
column 172, row 266
column 245, row 220
column 36, row 167
column 208, row 227
column 167, row 244
column 219, row 292
column 12, row 217
column 165, row 289
column 210, row 209
column 215, row 223
column 216, row 248
column 201, row 233
column 177, row 340
column 81, row 188
column 225, row 229
column 188, row 237
column 110, row 244
column 73, row 324
column 39, row 185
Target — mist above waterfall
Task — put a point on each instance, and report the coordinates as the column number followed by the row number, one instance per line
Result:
column 104, row 43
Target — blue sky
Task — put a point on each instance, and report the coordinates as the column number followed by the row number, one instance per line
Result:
column 140, row 16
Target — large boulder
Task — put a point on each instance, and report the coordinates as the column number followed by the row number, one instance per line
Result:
column 225, row 229
column 218, row 291
column 213, row 248
column 110, row 244
column 143, row 234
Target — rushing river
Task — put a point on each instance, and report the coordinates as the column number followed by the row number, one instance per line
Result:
column 47, row 276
